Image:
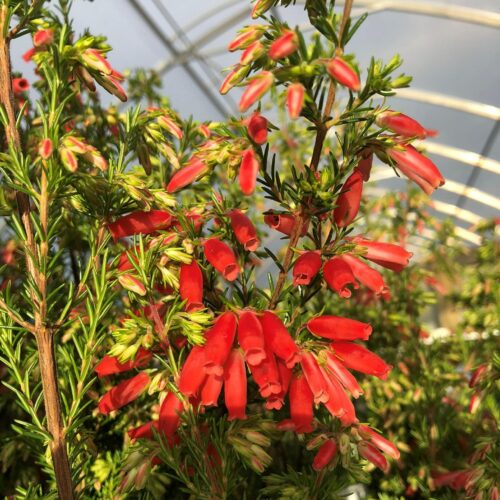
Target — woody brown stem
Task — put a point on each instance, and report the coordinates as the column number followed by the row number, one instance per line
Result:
column 37, row 253
column 321, row 132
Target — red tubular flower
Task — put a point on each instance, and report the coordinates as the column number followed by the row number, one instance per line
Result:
column 367, row 276
column 379, row 441
column 343, row 375
column 235, row 385
column 370, row 453
column 258, row 86
column 295, row 100
column 324, row 455
column 338, row 275
column 301, row 404
column 123, row 393
column 191, row 286
column 343, row 73
column 94, row 59
column 43, row 37
column 403, row 125
column 244, row 230
column 417, row 168
column 109, row 365
column 284, row 223
column 195, row 169
column 314, row 377
column 20, row 85
column 170, row 416
column 387, row 255
column 275, row 401
column 278, row 339
column 28, row 55
column 455, row 479
column 222, row 258
column 249, row 169
column 349, row 200
column 365, row 164
column 211, row 390
column 266, row 375
column 283, row 46
column 144, row 431
column 245, row 37
column 257, row 128
column 132, row 284
column 218, row 343
column 306, row 267
column 252, row 53
column 170, row 126
column 338, row 328
column 192, row 373
column 338, row 404
column 260, row 7
column 140, row 223
column 357, row 357
column 251, row 338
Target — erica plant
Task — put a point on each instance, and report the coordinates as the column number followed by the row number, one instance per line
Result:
column 139, row 243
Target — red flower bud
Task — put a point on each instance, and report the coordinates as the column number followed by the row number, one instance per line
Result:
column 43, row 37
column 357, row 357
column 314, row 377
column 191, row 286
column 132, row 284
column 283, row 46
column 110, row 365
column 249, row 168
column 261, row 7
column 140, row 223
column 417, row 168
column 403, row 125
column 338, row 328
column 222, row 258
column 123, row 393
column 257, row 128
column 257, row 87
column 367, row 276
column 192, row 373
column 341, row 71
column 266, row 375
column 244, row 230
column 301, row 404
column 20, row 85
column 170, row 416
column 233, row 77
column 45, row 149
column 474, row 403
column 379, row 441
column 324, row 455
column 295, row 99
column 252, row 53
column 245, row 37
column 211, row 390
column 284, row 223
column 365, row 164
column 218, row 342
column 478, row 375
column 170, row 126
column 278, row 339
column 194, row 170
column 387, row 255
column 251, row 338
column 343, row 375
column 349, row 200
column 370, row 453
column 338, row 275
column 235, row 385
column 306, row 268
